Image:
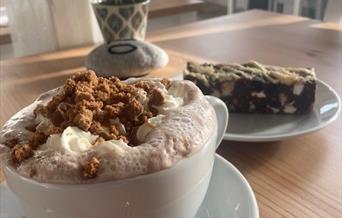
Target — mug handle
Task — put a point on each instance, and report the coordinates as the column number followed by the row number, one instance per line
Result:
column 222, row 116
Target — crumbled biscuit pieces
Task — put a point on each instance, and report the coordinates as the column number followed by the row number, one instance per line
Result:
column 37, row 139
column 90, row 169
column 166, row 83
column 156, row 97
column 89, row 103
column 21, row 152
column 93, row 104
column 149, row 86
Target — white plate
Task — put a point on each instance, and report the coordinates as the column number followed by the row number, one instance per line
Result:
column 229, row 195
column 273, row 127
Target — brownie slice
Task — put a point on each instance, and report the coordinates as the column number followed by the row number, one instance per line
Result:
column 254, row 87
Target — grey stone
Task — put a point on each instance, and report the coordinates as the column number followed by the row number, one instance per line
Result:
column 126, row 58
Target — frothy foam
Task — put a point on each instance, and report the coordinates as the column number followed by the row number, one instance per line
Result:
column 181, row 129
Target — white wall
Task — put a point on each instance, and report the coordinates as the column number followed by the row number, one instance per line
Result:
column 45, row 25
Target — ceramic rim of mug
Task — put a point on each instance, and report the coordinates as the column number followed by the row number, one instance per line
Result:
column 103, row 2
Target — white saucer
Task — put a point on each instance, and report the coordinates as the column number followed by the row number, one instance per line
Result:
column 8, row 205
column 270, row 127
column 229, row 195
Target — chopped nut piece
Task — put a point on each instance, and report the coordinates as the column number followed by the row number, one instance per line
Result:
column 156, row 97
column 90, row 169
column 166, row 83
column 21, row 152
column 54, row 130
column 38, row 138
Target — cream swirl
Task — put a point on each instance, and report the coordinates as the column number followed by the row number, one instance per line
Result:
column 147, row 127
column 73, row 141
column 172, row 99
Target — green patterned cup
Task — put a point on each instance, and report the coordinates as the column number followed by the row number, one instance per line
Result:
column 121, row 19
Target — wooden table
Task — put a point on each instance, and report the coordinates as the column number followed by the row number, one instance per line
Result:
column 171, row 7
column 300, row 177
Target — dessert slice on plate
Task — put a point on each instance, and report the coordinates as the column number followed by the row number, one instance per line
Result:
column 261, row 97
column 254, row 87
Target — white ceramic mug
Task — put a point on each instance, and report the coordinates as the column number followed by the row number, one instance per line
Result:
column 176, row 192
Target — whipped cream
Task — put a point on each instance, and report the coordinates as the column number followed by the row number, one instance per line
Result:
column 74, row 141
column 147, row 127
column 171, row 99
column 170, row 103
column 112, row 148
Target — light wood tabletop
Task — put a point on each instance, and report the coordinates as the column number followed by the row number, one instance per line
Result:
column 299, row 177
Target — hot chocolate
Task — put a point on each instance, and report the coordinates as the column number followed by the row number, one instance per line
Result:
column 97, row 129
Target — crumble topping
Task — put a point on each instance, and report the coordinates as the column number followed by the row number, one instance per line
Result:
column 105, row 107
column 90, row 169
column 90, row 103
column 21, row 152
column 255, row 87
